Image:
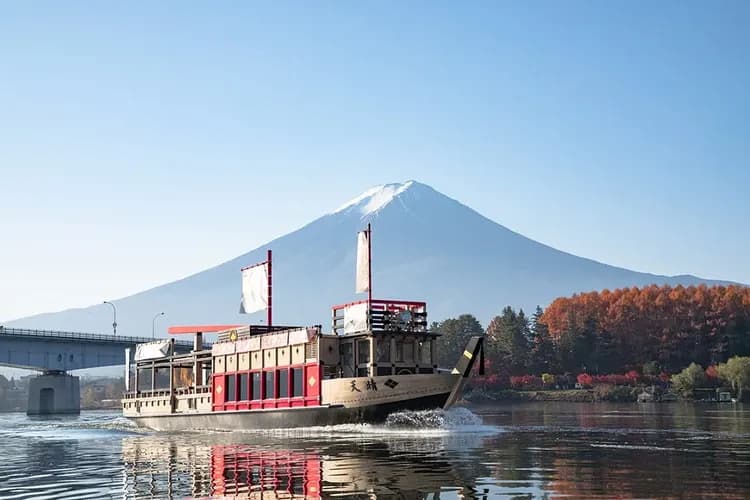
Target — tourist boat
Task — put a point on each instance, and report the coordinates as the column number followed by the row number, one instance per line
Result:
column 378, row 358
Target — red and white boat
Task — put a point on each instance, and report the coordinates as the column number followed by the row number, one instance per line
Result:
column 379, row 357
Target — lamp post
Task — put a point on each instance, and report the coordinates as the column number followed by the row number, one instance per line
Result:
column 153, row 323
column 114, row 317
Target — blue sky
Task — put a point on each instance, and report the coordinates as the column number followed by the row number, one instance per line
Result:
column 140, row 143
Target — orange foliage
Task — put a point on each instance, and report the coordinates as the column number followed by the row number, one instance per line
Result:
column 671, row 325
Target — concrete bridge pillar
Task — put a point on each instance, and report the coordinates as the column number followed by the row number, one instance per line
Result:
column 54, row 392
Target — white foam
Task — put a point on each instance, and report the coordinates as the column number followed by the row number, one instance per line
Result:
column 426, row 423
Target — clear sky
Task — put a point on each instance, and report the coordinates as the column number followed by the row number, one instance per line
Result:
column 140, row 143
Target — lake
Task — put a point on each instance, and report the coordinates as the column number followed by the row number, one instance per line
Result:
column 521, row 450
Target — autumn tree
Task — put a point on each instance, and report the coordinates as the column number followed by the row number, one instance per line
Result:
column 620, row 330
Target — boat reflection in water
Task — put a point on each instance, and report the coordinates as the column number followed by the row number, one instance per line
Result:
column 369, row 466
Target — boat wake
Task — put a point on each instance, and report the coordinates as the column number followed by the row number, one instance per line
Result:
column 427, row 423
column 91, row 425
column 453, row 419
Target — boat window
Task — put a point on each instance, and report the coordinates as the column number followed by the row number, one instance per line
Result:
column 363, row 352
column 404, row 351
column 230, row 395
column 283, row 383
column 408, row 352
column 269, row 391
column 297, row 383
column 425, row 358
column 242, row 387
column 384, row 350
column 298, row 485
column 347, row 358
column 255, row 394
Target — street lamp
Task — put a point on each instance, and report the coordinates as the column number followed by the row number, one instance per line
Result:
column 153, row 323
column 114, row 317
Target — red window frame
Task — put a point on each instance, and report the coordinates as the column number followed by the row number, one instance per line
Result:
column 311, row 374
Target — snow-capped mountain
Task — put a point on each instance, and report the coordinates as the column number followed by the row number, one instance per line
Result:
column 425, row 246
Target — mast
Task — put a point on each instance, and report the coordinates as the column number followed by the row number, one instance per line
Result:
column 270, row 286
column 369, row 266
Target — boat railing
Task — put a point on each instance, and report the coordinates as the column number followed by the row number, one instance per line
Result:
column 156, row 393
column 184, row 391
column 163, row 393
column 379, row 316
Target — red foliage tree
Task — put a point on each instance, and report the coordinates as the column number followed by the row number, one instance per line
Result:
column 671, row 326
column 585, row 379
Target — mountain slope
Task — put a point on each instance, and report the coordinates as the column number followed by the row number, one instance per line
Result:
column 425, row 246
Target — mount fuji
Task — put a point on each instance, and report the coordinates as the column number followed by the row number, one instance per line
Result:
column 425, row 246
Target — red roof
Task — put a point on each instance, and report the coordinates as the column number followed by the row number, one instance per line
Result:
column 187, row 329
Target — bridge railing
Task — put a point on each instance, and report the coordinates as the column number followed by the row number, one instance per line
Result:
column 26, row 332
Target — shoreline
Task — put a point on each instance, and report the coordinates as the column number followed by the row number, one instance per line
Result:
column 613, row 394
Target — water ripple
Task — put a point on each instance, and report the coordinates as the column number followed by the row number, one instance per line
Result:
column 521, row 450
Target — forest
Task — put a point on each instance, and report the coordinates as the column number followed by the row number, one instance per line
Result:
column 655, row 330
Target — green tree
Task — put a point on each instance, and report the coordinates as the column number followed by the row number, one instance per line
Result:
column 689, row 379
column 508, row 340
column 573, row 347
column 585, row 352
column 736, row 371
column 650, row 368
column 604, row 357
column 542, row 349
column 455, row 334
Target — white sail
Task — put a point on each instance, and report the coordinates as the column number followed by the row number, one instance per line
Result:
column 363, row 262
column 127, row 369
column 254, row 289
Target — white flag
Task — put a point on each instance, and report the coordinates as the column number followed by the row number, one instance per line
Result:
column 127, row 369
column 363, row 262
column 254, row 289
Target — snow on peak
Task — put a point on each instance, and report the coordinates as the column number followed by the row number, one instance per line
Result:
column 375, row 198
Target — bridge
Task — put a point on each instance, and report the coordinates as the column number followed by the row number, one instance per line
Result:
column 54, row 353
column 47, row 350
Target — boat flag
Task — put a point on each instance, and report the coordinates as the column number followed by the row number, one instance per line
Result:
column 254, row 288
column 363, row 261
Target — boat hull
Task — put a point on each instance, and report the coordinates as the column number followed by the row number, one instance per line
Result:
column 288, row 417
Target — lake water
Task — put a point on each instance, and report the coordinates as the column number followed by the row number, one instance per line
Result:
column 523, row 450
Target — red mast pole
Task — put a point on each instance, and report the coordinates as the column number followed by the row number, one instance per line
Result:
column 270, row 296
column 369, row 265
